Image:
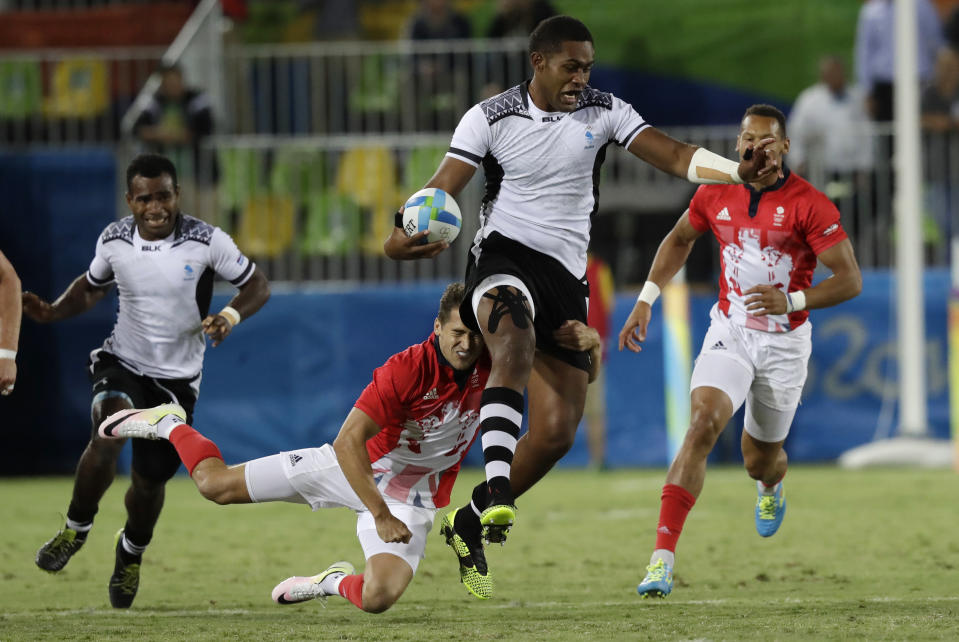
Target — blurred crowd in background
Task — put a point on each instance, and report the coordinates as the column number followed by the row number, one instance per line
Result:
column 300, row 125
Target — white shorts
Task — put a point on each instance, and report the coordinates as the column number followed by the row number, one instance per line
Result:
column 767, row 370
column 313, row 476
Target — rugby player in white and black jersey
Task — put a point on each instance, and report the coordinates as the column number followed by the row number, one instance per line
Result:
column 163, row 263
column 541, row 145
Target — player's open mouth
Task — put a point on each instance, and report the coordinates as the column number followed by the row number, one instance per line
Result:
column 570, row 97
column 156, row 219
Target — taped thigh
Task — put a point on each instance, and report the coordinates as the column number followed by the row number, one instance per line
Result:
column 498, row 281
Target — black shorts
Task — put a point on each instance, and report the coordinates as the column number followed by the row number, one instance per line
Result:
column 558, row 296
column 156, row 460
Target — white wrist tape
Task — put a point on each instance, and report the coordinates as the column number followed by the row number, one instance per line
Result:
column 795, row 301
column 7, row 354
column 708, row 168
column 231, row 315
column 649, row 293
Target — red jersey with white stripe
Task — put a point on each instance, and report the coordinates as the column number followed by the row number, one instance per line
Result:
column 429, row 416
column 770, row 236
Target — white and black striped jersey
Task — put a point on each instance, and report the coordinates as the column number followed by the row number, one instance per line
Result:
column 164, row 290
column 542, row 168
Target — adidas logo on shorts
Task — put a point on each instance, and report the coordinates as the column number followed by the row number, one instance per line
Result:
column 295, row 459
column 723, row 215
column 431, row 395
column 719, row 345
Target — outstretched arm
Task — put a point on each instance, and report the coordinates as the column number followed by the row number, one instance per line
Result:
column 844, row 284
column 699, row 165
column 670, row 257
column 10, row 312
column 451, row 177
column 350, row 448
column 251, row 297
column 79, row 297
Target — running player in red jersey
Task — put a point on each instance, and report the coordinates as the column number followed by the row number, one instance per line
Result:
column 771, row 233
column 394, row 461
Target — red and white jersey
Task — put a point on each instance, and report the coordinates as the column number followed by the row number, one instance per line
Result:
column 429, row 416
column 770, row 237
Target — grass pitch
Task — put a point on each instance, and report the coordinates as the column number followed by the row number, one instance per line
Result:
column 868, row 555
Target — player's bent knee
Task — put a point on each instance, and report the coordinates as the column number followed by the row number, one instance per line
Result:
column 217, row 490
column 379, row 597
column 707, row 421
column 106, row 449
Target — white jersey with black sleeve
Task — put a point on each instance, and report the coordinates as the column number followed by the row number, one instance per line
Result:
column 164, row 290
column 542, row 168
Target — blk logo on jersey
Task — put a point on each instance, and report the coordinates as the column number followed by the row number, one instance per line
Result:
column 150, row 248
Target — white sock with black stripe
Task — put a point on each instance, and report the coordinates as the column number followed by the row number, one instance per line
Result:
column 501, row 415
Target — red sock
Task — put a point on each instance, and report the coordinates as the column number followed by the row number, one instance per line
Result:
column 351, row 587
column 676, row 504
column 192, row 446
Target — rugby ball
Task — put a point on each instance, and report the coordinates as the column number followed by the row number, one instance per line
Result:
column 434, row 210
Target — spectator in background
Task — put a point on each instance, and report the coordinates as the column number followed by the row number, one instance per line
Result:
column 876, row 47
column 601, row 302
column 513, row 19
column 518, row 18
column 438, row 20
column 436, row 75
column 940, row 98
column 830, row 161
column 940, row 121
column 174, row 123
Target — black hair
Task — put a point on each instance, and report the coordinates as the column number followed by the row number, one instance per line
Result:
column 769, row 112
column 150, row 166
column 452, row 298
column 550, row 34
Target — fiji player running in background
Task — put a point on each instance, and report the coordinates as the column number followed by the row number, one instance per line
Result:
column 163, row 263
column 771, row 233
column 541, row 145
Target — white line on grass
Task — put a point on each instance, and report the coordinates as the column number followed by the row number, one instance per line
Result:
column 789, row 600
column 137, row 612
column 502, row 605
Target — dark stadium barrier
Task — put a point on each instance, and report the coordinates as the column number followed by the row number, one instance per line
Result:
column 55, row 204
column 288, row 375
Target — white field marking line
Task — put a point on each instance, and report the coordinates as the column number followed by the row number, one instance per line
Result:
column 137, row 612
column 716, row 602
column 503, row 605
